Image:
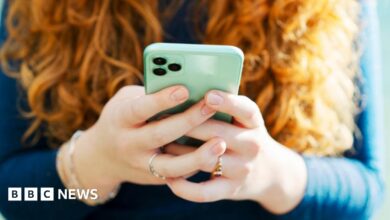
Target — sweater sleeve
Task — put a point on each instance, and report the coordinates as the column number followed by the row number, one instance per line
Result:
column 352, row 187
column 27, row 167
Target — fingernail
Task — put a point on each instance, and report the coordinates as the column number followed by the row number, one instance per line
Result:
column 214, row 99
column 179, row 95
column 207, row 110
column 217, row 149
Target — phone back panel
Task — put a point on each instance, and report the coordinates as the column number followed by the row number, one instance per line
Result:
column 203, row 68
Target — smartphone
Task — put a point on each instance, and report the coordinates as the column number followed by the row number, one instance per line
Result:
column 198, row 67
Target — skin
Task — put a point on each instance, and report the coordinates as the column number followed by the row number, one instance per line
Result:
column 255, row 166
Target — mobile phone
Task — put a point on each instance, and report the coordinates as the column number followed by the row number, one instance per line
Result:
column 198, row 67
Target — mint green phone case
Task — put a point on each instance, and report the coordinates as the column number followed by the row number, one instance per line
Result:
column 198, row 67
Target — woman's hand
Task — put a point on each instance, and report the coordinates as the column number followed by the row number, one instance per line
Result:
column 118, row 147
column 255, row 166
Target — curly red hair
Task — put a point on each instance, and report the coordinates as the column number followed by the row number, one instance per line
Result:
column 300, row 64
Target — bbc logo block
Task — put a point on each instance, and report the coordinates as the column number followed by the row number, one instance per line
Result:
column 30, row 194
column 14, row 194
column 47, row 194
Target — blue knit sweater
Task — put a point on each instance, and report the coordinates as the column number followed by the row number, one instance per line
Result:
column 338, row 188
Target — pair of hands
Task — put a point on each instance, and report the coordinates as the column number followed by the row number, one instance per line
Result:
column 118, row 148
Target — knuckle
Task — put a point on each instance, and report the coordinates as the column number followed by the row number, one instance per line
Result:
column 253, row 110
column 234, row 103
column 206, row 160
column 252, row 147
column 251, row 114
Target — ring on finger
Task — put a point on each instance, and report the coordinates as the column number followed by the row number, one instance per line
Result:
column 218, row 170
column 152, row 169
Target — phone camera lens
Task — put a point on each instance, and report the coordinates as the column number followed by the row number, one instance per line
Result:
column 159, row 71
column 174, row 67
column 159, row 61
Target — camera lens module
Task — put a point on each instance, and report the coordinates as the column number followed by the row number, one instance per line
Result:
column 174, row 67
column 159, row 61
column 159, row 71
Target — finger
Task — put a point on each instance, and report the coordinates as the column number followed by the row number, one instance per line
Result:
column 244, row 110
column 160, row 133
column 209, row 191
column 200, row 159
column 130, row 92
column 233, row 166
column 237, row 139
column 140, row 109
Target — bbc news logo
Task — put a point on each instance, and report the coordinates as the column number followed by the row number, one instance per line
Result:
column 48, row 194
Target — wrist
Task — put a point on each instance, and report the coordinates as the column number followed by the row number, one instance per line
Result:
column 82, row 167
column 288, row 184
column 93, row 167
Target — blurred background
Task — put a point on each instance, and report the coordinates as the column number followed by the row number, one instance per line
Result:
column 384, row 15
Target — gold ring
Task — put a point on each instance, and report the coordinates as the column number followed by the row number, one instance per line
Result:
column 152, row 169
column 217, row 172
